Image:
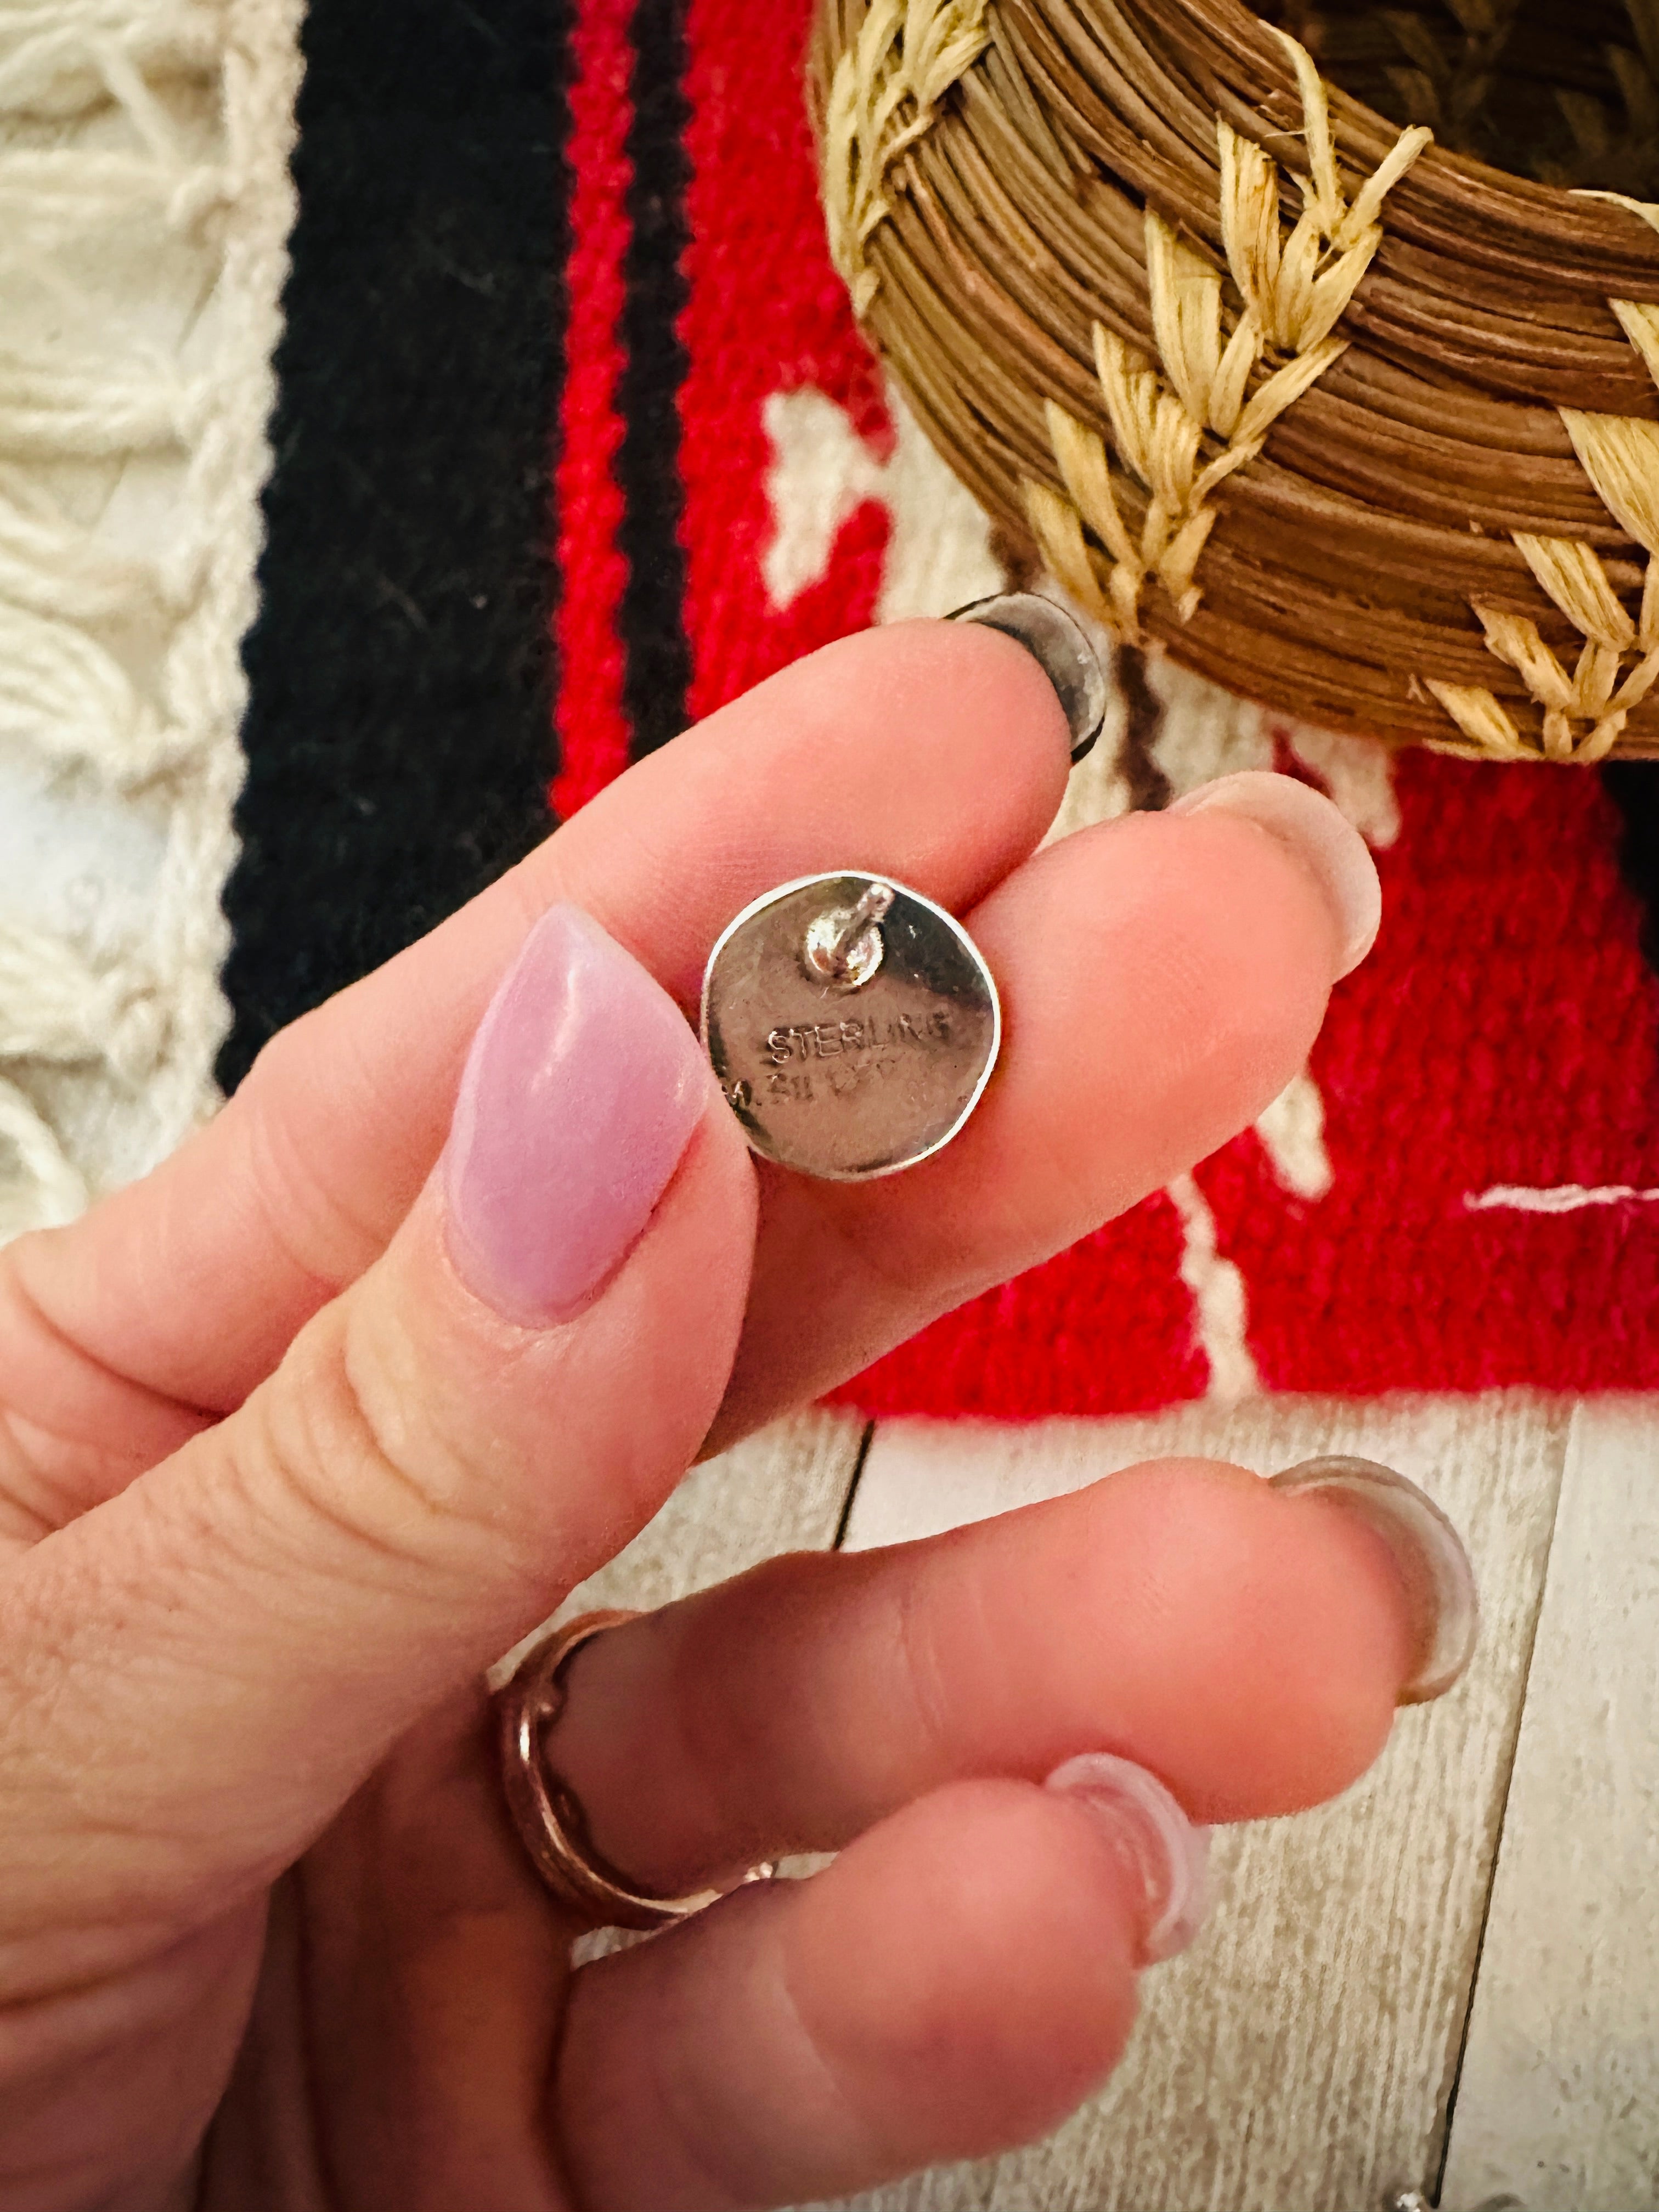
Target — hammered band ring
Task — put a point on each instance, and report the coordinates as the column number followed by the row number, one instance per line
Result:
column 548, row 1815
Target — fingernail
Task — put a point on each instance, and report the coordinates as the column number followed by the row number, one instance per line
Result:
column 1429, row 1553
column 1321, row 838
column 1166, row 1859
column 1055, row 640
column 579, row 1096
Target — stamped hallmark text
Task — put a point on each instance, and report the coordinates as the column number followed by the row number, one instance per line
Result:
column 829, row 1040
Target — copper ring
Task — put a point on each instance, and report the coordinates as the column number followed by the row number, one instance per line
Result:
column 549, row 1815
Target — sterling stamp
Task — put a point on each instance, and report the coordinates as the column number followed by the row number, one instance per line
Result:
column 853, row 1024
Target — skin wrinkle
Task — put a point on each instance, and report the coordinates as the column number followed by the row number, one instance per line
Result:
column 403, row 1427
column 323, row 1445
column 329, row 2043
column 678, row 2089
column 356, row 1384
column 714, row 1748
column 711, row 1741
column 302, row 2004
column 94, row 1821
column 15, row 1286
column 722, row 1823
column 13, row 1262
column 77, row 1966
column 260, row 1546
column 817, row 2056
column 172, row 2005
column 172, row 1948
column 926, row 1694
column 150, row 1897
column 86, row 1661
column 811, row 1751
column 972, row 1616
column 677, row 2097
column 23, row 1481
column 291, row 1194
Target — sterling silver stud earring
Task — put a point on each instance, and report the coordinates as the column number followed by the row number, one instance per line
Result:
column 853, row 1024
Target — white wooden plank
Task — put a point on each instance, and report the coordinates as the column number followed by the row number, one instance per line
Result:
column 1558, row 2102
column 1300, row 2055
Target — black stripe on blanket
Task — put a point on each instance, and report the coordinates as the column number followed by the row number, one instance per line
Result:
column 398, row 732
column 656, row 654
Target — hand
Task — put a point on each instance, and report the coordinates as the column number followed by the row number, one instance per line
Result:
column 304, row 1430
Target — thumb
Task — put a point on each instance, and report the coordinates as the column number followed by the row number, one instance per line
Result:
column 197, row 1675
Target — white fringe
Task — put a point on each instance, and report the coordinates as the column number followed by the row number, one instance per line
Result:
column 136, row 135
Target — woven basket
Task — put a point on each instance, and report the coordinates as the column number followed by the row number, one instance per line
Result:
column 1232, row 328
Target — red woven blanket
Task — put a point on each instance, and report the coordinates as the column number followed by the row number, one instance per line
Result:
column 1481, row 1204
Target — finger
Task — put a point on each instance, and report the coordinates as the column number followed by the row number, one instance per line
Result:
column 955, row 1983
column 1246, row 1645
column 197, row 1674
column 430, row 1981
column 191, row 1284
column 1163, row 978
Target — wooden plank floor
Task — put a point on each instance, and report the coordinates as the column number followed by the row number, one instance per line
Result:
column 1308, row 2054
column 1302, row 2053
column 1559, row 2101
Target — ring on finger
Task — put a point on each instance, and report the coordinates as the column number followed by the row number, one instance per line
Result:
column 549, row 1816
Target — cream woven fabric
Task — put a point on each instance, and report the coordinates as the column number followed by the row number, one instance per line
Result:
column 144, row 210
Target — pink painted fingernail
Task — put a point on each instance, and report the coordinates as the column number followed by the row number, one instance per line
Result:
column 1166, row 1859
column 1321, row 838
column 579, row 1099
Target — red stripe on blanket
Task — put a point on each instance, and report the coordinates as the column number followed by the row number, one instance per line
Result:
column 592, row 729
column 767, row 315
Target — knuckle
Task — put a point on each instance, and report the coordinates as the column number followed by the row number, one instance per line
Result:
column 344, row 1436
column 313, row 1228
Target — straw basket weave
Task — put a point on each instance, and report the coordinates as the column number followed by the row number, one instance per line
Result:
column 1289, row 376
